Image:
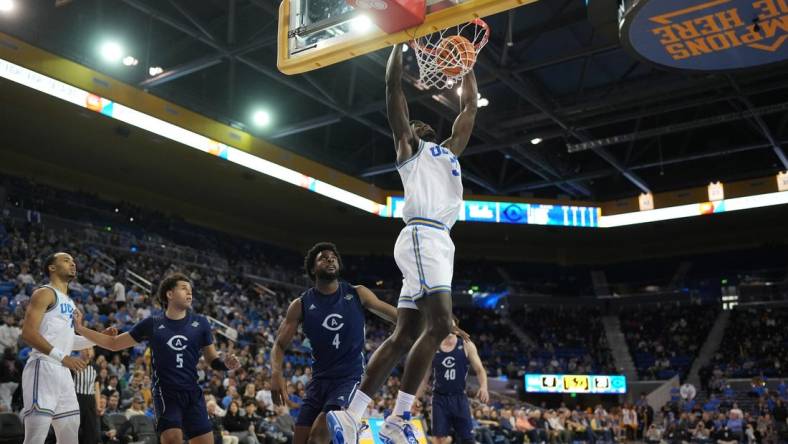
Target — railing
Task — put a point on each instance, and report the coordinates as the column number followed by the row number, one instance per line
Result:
column 223, row 329
column 107, row 261
column 135, row 279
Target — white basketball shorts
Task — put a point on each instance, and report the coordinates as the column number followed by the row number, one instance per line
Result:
column 47, row 389
column 425, row 256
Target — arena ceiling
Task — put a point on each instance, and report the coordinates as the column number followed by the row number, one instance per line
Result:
column 561, row 80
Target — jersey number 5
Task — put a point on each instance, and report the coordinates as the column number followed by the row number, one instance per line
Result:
column 179, row 360
column 335, row 342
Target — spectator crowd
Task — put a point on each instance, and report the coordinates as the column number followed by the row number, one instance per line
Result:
column 245, row 291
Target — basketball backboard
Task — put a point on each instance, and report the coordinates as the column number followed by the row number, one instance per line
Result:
column 318, row 33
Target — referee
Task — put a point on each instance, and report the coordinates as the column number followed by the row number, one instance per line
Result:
column 88, row 395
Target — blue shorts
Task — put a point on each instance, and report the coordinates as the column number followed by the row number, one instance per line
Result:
column 323, row 396
column 181, row 409
column 452, row 412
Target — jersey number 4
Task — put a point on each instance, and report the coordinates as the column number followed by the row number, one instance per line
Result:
column 336, row 342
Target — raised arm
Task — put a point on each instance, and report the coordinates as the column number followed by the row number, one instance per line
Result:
column 397, row 107
column 371, row 302
column 463, row 124
column 40, row 301
column 478, row 368
column 284, row 337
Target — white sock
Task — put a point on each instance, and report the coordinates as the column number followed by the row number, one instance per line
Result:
column 404, row 403
column 358, row 405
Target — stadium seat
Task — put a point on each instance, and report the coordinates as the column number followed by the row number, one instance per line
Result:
column 11, row 429
column 143, row 430
column 118, row 421
column 6, row 288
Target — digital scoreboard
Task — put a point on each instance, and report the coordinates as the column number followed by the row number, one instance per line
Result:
column 596, row 384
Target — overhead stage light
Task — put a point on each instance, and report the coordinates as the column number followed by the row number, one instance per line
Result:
column 155, row 70
column 536, row 141
column 261, row 118
column 7, row 5
column 111, row 51
column 361, row 24
column 130, row 61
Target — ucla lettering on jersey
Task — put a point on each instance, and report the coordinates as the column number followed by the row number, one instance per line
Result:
column 432, row 179
column 334, row 325
column 450, row 370
column 57, row 325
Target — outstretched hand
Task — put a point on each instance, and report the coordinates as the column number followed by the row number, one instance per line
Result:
column 232, row 362
column 278, row 389
column 461, row 333
column 76, row 317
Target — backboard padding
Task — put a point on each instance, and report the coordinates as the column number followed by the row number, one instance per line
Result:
column 330, row 51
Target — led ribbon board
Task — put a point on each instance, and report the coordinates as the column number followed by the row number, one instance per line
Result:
column 707, row 35
column 697, row 209
column 596, row 384
column 472, row 211
column 516, row 213
column 84, row 99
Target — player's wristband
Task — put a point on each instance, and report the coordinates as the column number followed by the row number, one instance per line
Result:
column 218, row 364
column 57, row 354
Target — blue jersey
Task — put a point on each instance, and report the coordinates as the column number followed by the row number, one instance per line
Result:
column 334, row 324
column 449, row 370
column 176, row 346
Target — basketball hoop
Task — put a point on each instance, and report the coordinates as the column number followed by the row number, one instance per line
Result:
column 446, row 56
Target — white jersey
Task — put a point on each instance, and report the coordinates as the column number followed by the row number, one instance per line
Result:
column 432, row 179
column 57, row 326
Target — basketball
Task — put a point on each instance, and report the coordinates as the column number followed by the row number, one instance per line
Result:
column 456, row 55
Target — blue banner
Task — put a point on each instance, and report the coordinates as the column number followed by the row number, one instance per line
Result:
column 708, row 35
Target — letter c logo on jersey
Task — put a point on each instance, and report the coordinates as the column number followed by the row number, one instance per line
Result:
column 333, row 322
column 178, row 342
column 448, row 362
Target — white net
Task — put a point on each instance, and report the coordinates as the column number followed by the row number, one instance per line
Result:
column 445, row 56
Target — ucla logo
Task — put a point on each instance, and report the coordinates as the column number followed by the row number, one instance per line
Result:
column 178, row 342
column 333, row 322
column 440, row 151
column 448, row 362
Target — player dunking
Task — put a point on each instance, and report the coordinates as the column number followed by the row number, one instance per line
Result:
column 47, row 387
column 450, row 409
column 424, row 252
column 332, row 315
column 176, row 339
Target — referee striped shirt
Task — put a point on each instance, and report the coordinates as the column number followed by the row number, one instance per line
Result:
column 84, row 381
